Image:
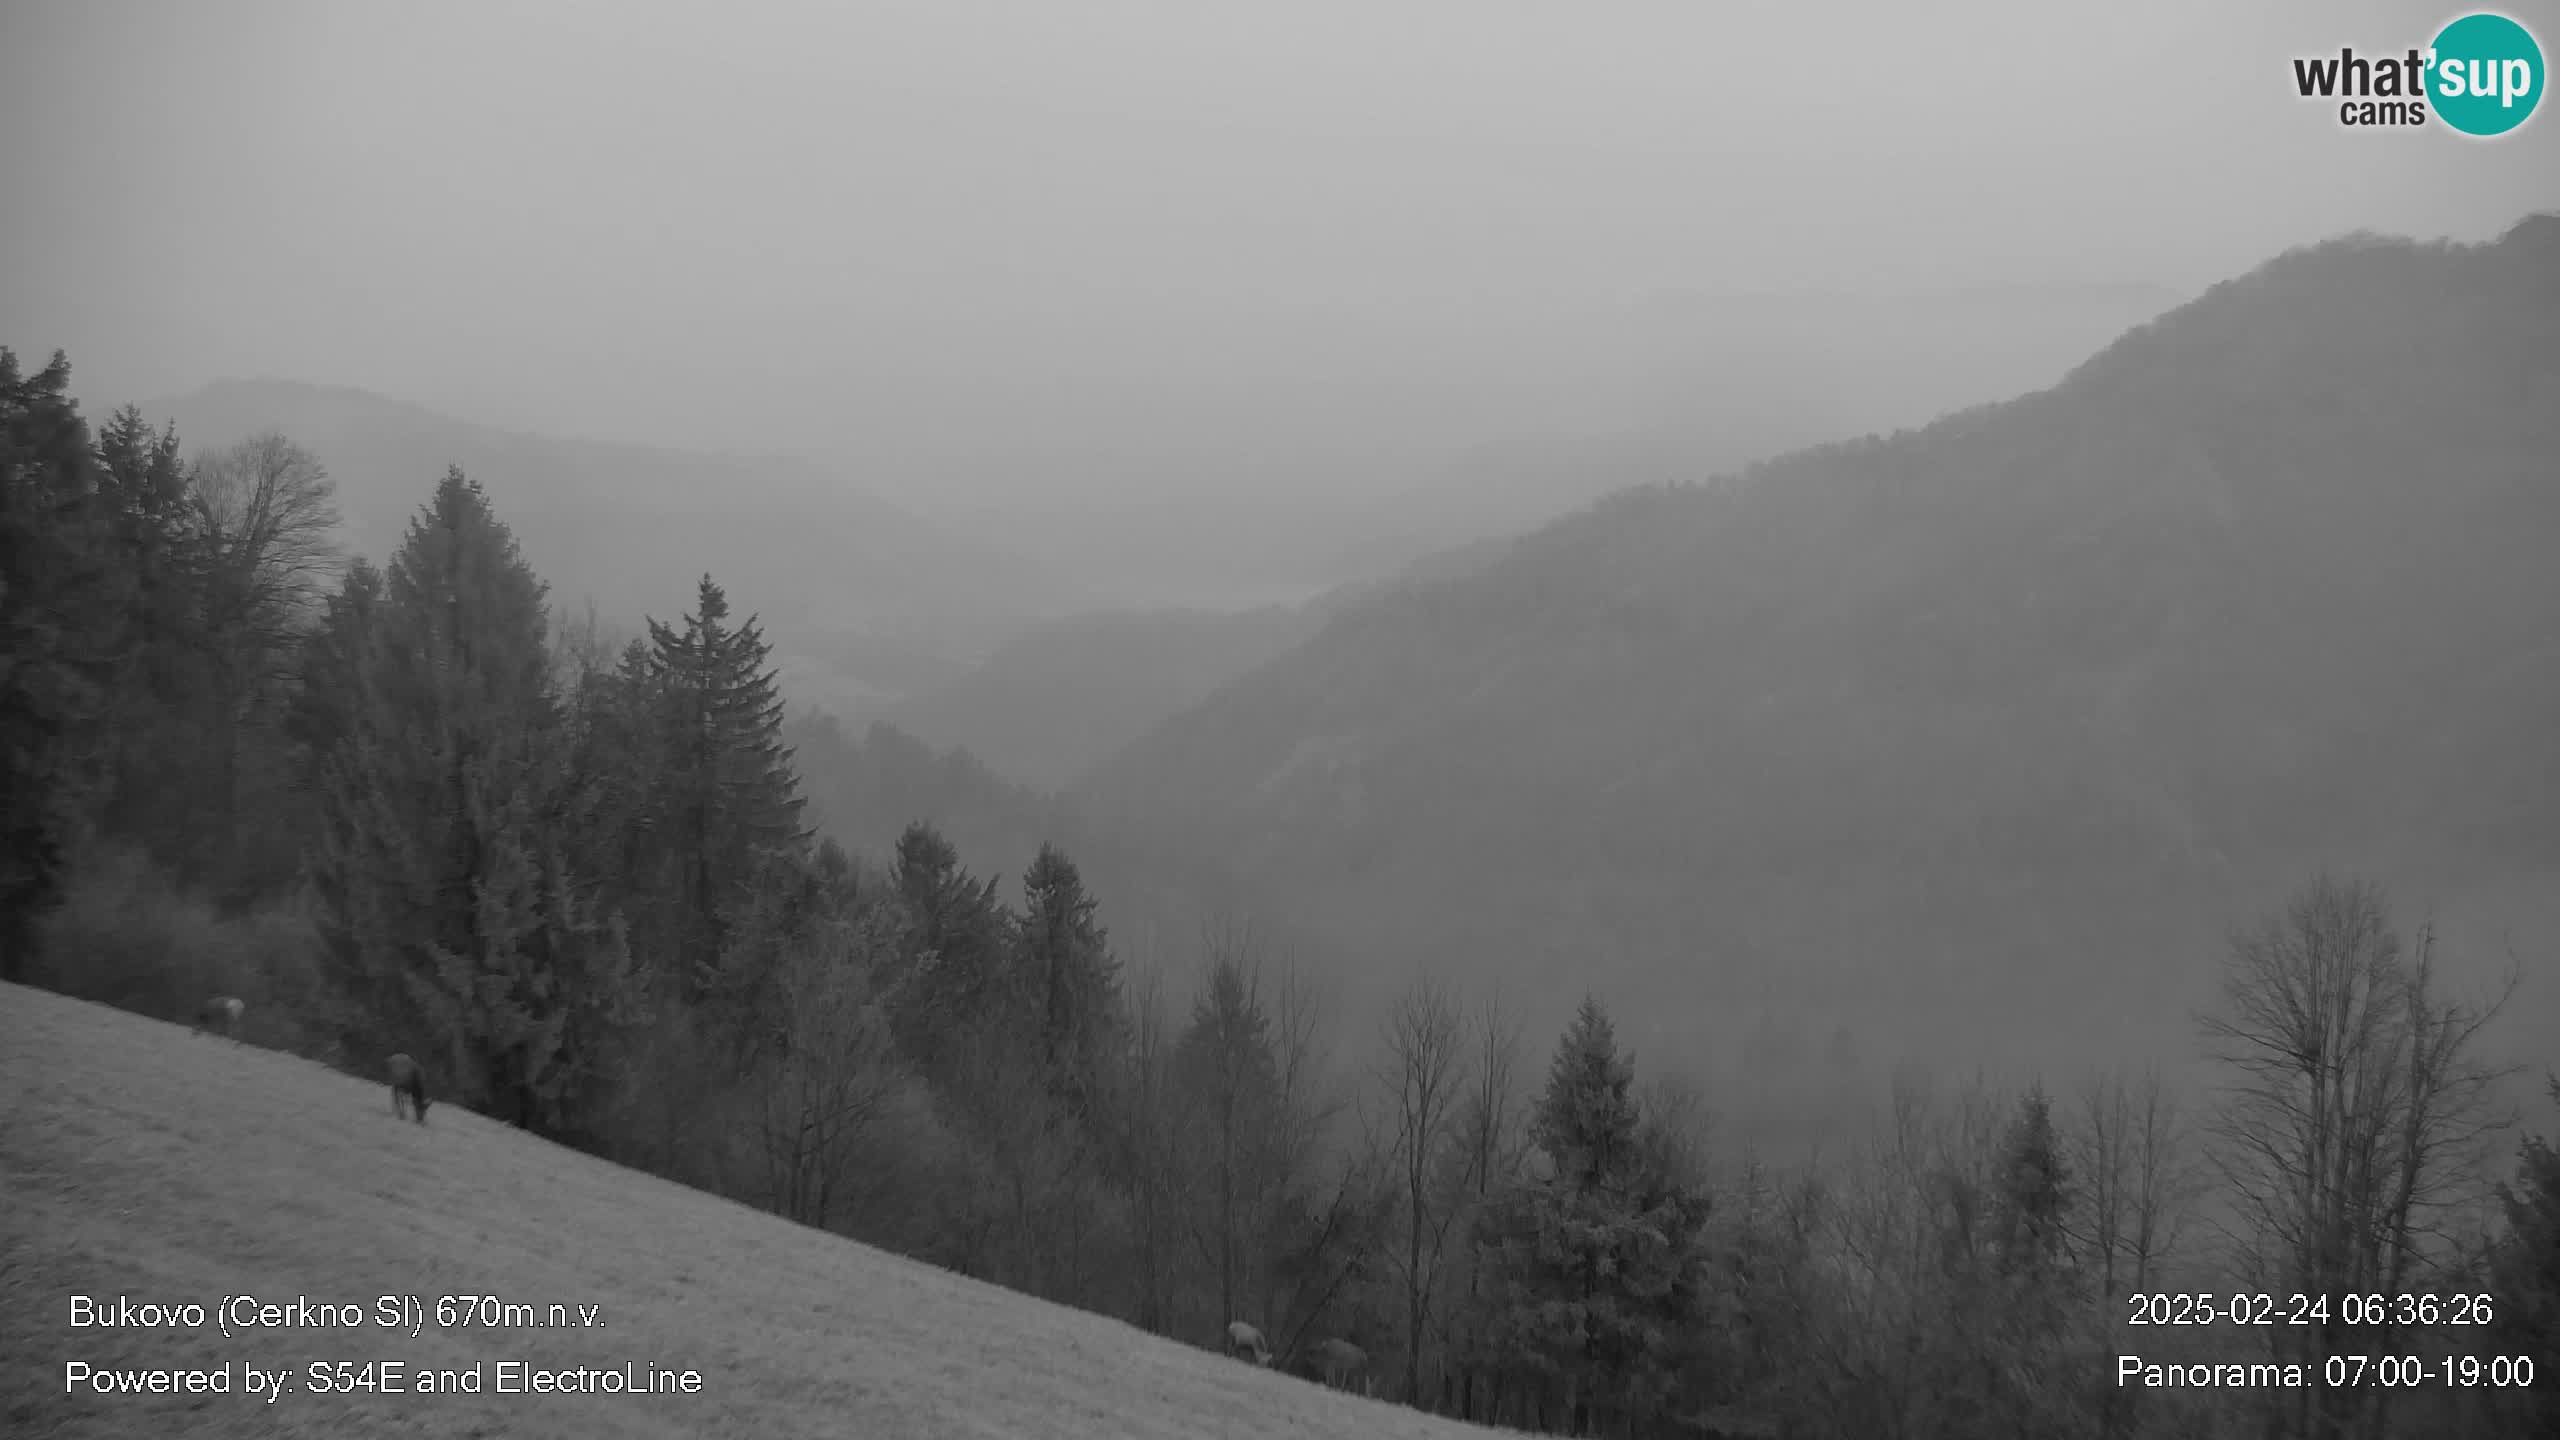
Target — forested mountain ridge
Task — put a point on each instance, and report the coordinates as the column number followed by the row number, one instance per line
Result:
column 1520, row 421
column 1980, row 733
column 1060, row 697
column 865, row 599
column 1159, row 904
column 1063, row 696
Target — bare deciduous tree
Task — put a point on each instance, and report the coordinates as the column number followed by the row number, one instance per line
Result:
column 2357, row 1112
column 1679, row 1126
column 1492, row 1141
column 827, row 1087
column 583, row 646
column 264, row 510
column 1423, row 1072
column 2134, row 1153
column 1304, row 1109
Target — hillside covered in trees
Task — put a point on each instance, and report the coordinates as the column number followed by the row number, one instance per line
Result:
column 1979, row 727
column 1969, row 742
column 865, row 599
column 1061, row 697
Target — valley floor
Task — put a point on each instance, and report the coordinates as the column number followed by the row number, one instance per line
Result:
column 142, row 1162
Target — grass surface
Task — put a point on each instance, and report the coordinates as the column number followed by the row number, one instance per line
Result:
column 140, row 1161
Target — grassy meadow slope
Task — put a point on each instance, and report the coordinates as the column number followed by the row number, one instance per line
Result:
column 139, row 1160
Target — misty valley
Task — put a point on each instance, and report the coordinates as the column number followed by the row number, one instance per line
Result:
column 1976, row 861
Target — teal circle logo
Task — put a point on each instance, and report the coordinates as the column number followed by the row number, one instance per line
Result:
column 2484, row 74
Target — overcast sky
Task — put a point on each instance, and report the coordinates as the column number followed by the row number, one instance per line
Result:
column 903, row 229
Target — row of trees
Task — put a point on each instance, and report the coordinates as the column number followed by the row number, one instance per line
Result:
column 577, row 876
column 153, row 608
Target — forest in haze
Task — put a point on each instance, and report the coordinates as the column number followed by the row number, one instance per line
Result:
column 1969, row 743
column 1732, row 961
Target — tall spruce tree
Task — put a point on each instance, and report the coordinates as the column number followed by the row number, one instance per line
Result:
column 63, row 606
column 145, row 490
column 621, row 743
column 949, row 959
column 442, row 876
column 2034, row 1190
column 335, row 670
column 1596, row 1253
column 1586, row 1118
column 1067, row 960
column 727, row 799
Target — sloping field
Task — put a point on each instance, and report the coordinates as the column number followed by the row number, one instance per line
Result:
column 139, row 1161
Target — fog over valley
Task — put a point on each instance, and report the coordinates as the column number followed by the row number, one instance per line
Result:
column 1642, row 720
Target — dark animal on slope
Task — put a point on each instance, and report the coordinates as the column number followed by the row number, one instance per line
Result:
column 222, row 1013
column 1245, row 1343
column 408, row 1083
column 1345, row 1366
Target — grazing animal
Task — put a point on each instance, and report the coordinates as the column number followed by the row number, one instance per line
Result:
column 409, row 1083
column 1245, row 1343
column 222, row 1013
column 1345, row 1365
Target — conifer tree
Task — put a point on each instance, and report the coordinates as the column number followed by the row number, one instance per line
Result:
column 145, row 483
column 948, row 960
column 2029, row 1293
column 1596, row 1254
column 144, row 489
column 335, row 667
column 727, row 797
column 620, row 744
column 2034, row 1189
column 443, row 876
column 62, row 607
column 1066, row 959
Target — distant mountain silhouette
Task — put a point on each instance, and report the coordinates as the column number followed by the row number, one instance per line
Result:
column 1666, row 386
column 1717, row 382
column 867, row 599
column 1965, row 744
